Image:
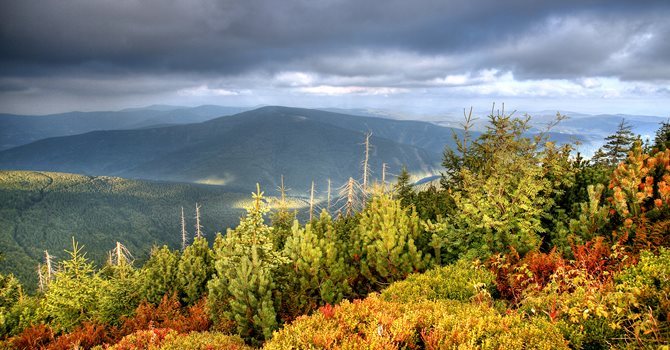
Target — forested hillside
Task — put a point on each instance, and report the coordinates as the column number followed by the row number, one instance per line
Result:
column 522, row 245
column 43, row 211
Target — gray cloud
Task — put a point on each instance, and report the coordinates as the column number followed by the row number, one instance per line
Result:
column 240, row 45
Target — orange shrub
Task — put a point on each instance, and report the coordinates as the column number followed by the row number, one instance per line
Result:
column 85, row 336
column 142, row 340
column 169, row 314
column 33, row 337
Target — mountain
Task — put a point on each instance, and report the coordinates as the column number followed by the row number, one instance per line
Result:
column 43, row 211
column 16, row 130
column 240, row 150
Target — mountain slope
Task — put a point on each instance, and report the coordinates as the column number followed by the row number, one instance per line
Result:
column 43, row 211
column 240, row 150
column 16, row 130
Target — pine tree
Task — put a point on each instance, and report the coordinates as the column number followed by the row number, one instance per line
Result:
column 454, row 161
column 72, row 296
column 662, row 139
column 616, row 146
column 10, row 294
column 121, row 291
column 384, row 242
column 195, row 269
column 244, row 278
column 159, row 275
column 319, row 267
column 282, row 219
column 404, row 189
column 502, row 194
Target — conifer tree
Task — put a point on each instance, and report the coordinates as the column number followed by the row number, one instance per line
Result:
column 662, row 138
column 195, row 269
column 244, row 279
column 404, row 189
column 501, row 196
column 282, row 219
column 72, row 297
column 159, row 274
column 455, row 160
column 616, row 146
column 384, row 242
column 10, row 294
column 319, row 267
column 120, row 293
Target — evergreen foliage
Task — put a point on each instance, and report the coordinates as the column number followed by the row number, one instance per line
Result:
column 384, row 246
column 662, row 137
column 564, row 262
column 120, row 295
column 11, row 293
column 72, row 297
column 246, row 265
column 404, row 190
column 159, row 275
column 502, row 195
column 195, row 269
column 319, row 268
column 616, row 146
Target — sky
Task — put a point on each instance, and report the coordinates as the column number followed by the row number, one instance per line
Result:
column 419, row 56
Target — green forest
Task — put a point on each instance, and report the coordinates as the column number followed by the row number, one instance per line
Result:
column 523, row 243
column 43, row 210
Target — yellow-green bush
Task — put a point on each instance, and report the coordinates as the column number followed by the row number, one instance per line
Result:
column 647, row 286
column 167, row 339
column 632, row 309
column 203, row 341
column 374, row 323
column 460, row 281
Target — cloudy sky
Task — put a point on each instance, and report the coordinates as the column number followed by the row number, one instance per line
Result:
column 419, row 56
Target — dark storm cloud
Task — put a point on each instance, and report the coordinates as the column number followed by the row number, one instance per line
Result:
column 533, row 39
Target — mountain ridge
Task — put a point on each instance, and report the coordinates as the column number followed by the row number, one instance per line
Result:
column 249, row 147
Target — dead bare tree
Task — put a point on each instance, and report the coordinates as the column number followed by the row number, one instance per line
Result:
column 48, row 261
column 311, row 202
column 198, row 227
column 349, row 192
column 121, row 255
column 366, row 159
column 329, row 195
column 184, row 235
column 383, row 176
column 41, row 283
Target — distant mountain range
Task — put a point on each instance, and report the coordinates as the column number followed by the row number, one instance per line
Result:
column 217, row 145
column 239, row 150
column 17, row 130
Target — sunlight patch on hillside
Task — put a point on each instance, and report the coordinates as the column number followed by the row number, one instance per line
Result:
column 216, row 180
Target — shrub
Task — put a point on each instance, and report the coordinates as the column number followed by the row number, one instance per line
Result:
column 460, row 281
column 34, row 337
column 85, row 336
column 377, row 324
column 384, row 245
column 169, row 314
column 166, row 339
column 648, row 287
column 203, row 341
column 144, row 340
